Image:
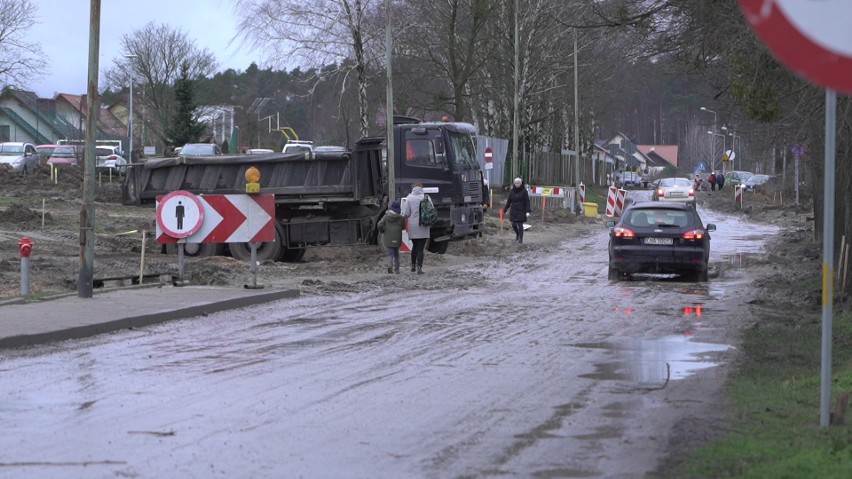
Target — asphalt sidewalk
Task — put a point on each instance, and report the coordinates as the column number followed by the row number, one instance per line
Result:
column 71, row 317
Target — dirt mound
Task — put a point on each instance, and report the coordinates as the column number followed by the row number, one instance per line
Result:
column 19, row 215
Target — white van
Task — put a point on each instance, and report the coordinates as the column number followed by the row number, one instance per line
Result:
column 298, row 146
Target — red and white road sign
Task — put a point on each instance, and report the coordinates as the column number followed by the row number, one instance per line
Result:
column 229, row 219
column 179, row 214
column 811, row 38
column 489, row 158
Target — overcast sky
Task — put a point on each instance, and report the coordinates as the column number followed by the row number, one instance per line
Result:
column 63, row 32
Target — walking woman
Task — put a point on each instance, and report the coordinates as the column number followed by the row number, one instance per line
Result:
column 519, row 202
column 417, row 233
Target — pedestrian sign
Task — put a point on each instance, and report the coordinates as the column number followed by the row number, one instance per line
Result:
column 179, row 214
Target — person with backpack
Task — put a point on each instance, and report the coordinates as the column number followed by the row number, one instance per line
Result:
column 391, row 225
column 712, row 180
column 417, row 231
column 519, row 202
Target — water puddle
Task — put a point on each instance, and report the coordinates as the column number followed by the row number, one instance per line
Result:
column 743, row 260
column 654, row 361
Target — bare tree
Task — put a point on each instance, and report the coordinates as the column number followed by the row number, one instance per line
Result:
column 152, row 57
column 317, row 33
column 21, row 60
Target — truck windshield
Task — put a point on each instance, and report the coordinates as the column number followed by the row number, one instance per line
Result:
column 464, row 151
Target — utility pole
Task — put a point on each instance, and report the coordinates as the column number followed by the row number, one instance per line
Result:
column 87, row 213
column 515, row 168
column 578, row 206
column 389, row 93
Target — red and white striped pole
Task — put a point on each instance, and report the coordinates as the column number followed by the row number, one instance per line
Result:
column 610, row 201
column 738, row 196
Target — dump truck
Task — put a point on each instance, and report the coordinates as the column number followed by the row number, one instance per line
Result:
column 334, row 197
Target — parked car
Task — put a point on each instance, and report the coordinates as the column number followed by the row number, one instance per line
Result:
column 109, row 160
column 734, row 178
column 673, row 189
column 259, row 151
column 200, row 149
column 67, row 155
column 659, row 238
column 624, row 179
column 298, row 146
column 44, row 152
column 20, row 156
column 754, row 181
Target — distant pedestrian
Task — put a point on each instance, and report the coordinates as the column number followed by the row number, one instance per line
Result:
column 712, row 180
column 417, row 233
column 720, row 181
column 519, row 203
column 391, row 226
column 698, row 183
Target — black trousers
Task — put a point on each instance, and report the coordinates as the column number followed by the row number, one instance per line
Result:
column 518, row 226
column 417, row 248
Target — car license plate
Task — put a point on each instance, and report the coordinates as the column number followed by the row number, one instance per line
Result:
column 677, row 194
column 663, row 241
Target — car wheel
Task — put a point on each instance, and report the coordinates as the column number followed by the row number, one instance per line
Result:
column 701, row 276
column 613, row 274
column 292, row 255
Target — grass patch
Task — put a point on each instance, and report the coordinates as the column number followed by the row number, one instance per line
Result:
column 597, row 194
column 774, row 407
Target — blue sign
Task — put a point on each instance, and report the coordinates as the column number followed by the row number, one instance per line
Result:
column 798, row 150
column 702, row 167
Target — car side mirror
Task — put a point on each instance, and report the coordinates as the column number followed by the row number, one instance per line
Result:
column 710, row 227
column 610, row 224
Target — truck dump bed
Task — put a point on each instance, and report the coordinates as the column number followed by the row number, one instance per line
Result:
column 292, row 178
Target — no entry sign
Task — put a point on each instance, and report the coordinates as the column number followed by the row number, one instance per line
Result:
column 811, row 38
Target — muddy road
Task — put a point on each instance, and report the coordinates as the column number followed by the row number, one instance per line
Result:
column 525, row 364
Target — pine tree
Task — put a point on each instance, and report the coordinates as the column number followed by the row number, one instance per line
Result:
column 185, row 128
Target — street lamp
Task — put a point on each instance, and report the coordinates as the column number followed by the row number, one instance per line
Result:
column 130, row 118
column 713, row 143
column 714, row 135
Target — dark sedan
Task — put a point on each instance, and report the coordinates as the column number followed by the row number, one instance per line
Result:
column 659, row 238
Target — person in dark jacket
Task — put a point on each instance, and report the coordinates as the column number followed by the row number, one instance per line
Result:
column 391, row 225
column 519, row 203
column 720, row 181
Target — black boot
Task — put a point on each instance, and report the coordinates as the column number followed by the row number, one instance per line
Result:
column 413, row 268
column 419, row 270
column 395, row 270
column 390, row 270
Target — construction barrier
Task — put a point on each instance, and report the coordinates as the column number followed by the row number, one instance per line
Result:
column 738, row 195
column 619, row 202
column 558, row 197
column 582, row 193
column 610, row 201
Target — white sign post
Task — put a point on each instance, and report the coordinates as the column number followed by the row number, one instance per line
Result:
column 813, row 39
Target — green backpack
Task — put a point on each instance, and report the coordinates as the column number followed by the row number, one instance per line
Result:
column 428, row 212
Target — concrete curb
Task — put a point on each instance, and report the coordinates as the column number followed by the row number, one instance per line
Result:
column 147, row 319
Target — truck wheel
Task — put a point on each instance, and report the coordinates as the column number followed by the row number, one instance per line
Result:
column 437, row 247
column 292, row 255
column 265, row 251
column 197, row 250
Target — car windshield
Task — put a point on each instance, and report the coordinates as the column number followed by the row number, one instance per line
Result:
column 669, row 182
column 197, row 149
column 11, row 150
column 658, row 217
column 64, row 151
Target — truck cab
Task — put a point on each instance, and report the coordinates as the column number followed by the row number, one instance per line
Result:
column 442, row 156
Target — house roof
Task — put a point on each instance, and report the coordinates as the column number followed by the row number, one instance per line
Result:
column 666, row 152
column 108, row 124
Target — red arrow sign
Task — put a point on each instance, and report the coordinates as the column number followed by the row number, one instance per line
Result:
column 232, row 219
